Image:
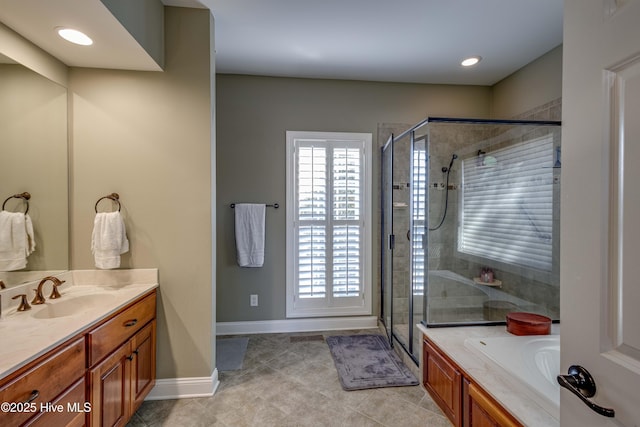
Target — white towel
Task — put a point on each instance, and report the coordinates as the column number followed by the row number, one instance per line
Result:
column 108, row 240
column 250, row 234
column 16, row 240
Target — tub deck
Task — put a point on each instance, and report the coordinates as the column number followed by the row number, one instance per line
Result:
column 511, row 392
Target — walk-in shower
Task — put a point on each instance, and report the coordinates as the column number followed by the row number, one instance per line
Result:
column 469, row 224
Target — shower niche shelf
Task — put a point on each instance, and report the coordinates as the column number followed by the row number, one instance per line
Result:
column 495, row 283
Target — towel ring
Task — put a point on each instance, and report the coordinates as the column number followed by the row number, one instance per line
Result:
column 113, row 196
column 24, row 196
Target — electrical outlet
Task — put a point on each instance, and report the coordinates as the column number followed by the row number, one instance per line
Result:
column 254, row 300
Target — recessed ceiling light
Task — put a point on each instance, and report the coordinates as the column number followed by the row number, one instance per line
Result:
column 468, row 62
column 74, row 36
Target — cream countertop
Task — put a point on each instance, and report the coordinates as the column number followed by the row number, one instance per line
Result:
column 25, row 337
column 509, row 392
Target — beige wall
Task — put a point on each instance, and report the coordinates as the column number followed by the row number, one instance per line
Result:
column 538, row 83
column 253, row 114
column 148, row 136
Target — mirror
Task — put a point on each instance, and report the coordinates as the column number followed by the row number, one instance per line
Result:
column 33, row 149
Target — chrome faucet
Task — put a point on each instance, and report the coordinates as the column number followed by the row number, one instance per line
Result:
column 39, row 298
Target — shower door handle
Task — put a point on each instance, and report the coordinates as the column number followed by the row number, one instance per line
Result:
column 581, row 383
column 409, row 235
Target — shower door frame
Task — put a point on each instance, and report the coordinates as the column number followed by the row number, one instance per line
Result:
column 387, row 241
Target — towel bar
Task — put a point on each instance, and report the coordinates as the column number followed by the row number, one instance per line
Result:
column 275, row 206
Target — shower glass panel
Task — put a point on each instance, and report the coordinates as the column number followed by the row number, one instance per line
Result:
column 493, row 220
column 419, row 220
column 470, row 223
column 401, row 317
column 403, row 260
column 387, row 231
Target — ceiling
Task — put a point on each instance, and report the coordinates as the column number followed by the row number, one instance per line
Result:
column 418, row 41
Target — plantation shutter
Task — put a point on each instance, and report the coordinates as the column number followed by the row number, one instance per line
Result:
column 346, row 224
column 328, row 224
column 329, row 244
column 312, row 214
column 507, row 204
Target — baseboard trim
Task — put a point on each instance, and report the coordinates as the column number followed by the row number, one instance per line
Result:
column 183, row 388
column 296, row 325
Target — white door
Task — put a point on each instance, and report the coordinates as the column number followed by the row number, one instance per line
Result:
column 600, row 222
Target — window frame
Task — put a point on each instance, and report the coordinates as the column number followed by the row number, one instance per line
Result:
column 328, row 306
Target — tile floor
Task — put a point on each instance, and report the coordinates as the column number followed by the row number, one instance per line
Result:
column 287, row 382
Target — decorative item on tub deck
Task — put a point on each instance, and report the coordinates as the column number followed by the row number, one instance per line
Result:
column 109, row 237
column 519, row 323
column 17, row 240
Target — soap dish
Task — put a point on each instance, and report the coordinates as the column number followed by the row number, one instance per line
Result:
column 519, row 323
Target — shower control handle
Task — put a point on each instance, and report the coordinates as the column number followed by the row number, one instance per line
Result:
column 581, row 383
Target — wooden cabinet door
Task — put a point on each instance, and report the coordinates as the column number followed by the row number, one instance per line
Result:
column 110, row 389
column 143, row 374
column 482, row 411
column 444, row 382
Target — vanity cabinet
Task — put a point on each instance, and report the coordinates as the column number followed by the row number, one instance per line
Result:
column 72, row 397
column 120, row 382
column 463, row 401
column 122, row 368
column 98, row 378
column 41, row 382
column 443, row 381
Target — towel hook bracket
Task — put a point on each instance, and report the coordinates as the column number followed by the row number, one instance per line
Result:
column 113, row 196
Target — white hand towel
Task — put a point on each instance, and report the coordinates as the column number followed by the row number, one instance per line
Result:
column 108, row 240
column 250, row 233
column 16, row 240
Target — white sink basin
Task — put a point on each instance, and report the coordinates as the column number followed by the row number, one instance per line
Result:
column 69, row 306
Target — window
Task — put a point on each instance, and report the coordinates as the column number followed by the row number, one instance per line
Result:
column 507, row 204
column 328, row 224
column 419, row 214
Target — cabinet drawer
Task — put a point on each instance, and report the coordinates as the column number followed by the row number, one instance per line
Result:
column 46, row 380
column 109, row 335
column 72, row 410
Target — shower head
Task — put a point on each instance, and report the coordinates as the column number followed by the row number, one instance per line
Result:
column 444, row 168
column 453, row 157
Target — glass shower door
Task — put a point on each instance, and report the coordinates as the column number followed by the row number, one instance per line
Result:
column 419, row 241
column 387, row 237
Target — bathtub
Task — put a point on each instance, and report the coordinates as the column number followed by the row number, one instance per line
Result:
column 534, row 360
